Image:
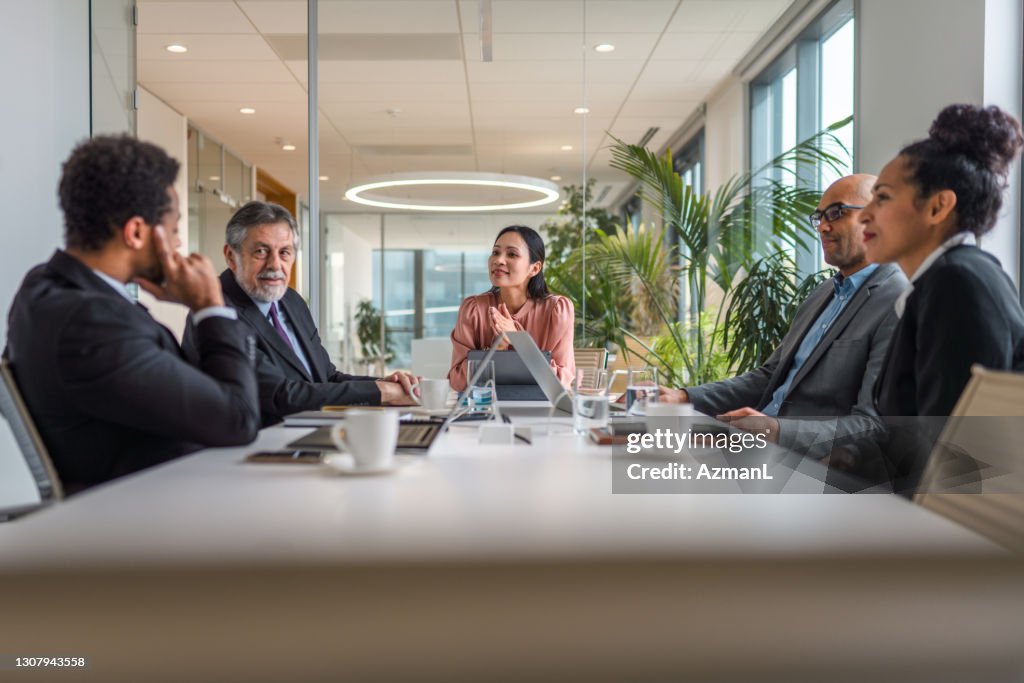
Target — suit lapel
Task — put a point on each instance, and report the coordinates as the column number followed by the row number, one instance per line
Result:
column 822, row 294
column 302, row 333
column 848, row 314
column 248, row 310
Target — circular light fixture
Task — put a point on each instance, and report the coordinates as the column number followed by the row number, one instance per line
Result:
column 580, row 110
column 215, row 177
column 176, row 49
column 604, row 47
column 566, row 148
column 288, row 148
column 362, row 193
column 246, row 110
column 323, row 177
column 556, row 178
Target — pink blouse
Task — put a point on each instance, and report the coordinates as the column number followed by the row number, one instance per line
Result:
column 549, row 321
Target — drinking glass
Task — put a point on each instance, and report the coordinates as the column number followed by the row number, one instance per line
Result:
column 641, row 389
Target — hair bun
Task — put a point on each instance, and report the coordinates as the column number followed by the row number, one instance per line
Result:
column 987, row 135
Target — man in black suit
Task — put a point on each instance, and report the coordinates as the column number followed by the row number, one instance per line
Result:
column 108, row 386
column 815, row 390
column 294, row 370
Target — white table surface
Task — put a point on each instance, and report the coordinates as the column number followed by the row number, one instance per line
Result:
column 463, row 502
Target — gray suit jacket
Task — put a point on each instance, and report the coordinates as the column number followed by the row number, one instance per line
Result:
column 830, row 400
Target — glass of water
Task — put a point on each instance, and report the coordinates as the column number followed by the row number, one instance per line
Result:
column 481, row 393
column 590, row 400
column 641, row 389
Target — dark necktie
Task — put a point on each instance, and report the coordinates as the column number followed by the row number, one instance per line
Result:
column 276, row 321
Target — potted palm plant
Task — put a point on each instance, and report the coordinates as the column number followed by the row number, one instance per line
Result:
column 737, row 240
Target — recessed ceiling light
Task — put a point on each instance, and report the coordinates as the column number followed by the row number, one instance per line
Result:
column 604, row 47
column 556, row 178
column 566, row 148
column 288, row 148
column 580, row 110
column 215, row 177
column 246, row 110
column 176, row 49
column 323, row 177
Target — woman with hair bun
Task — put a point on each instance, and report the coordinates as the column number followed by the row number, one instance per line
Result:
column 928, row 206
column 518, row 300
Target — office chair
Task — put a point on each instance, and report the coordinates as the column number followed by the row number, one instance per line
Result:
column 590, row 361
column 975, row 473
column 31, row 445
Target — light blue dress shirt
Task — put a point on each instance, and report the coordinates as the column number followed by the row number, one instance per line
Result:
column 845, row 288
column 264, row 307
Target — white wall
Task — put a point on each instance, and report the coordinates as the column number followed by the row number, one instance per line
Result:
column 914, row 57
column 725, row 134
column 163, row 126
column 44, row 69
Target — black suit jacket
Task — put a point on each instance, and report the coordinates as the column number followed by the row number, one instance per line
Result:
column 284, row 385
column 108, row 386
column 963, row 310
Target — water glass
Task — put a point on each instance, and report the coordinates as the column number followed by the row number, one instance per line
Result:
column 590, row 400
column 641, row 390
column 482, row 392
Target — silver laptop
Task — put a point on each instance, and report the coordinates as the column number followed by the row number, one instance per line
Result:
column 539, row 367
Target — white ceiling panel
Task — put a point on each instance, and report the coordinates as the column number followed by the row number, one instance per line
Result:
column 524, row 72
column 383, row 72
column 733, row 46
column 668, row 92
column 213, row 72
column 396, row 93
column 192, row 17
column 697, row 16
column 672, row 72
column 636, row 16
column 539, row 92
column 241, row 93
column 528, row 16
column 355, row 16
column 209, row 47
column 645, row 108
column 410, row 111
column 624, row 71
column 687, row 46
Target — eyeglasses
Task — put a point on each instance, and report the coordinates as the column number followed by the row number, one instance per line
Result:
column 830, row 213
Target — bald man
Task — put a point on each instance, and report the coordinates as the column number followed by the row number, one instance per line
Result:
column 816, row 388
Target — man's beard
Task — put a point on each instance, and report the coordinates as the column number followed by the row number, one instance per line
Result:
column 265, row 292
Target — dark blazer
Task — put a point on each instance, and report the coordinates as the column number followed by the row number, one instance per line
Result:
column 836, row 380
column 964, row 310
column 284, row 385
column 108, row 386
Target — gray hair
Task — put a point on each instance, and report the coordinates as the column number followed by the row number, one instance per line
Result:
column 253, row 215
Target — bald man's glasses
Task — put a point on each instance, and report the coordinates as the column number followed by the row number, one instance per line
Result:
column 830, row 213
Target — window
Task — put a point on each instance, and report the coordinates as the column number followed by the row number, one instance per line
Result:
column 806, row 89
column 688, row 162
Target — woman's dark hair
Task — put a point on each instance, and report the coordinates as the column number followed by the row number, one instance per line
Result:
column 536, row 288
column 106, row 181
column 968, row 150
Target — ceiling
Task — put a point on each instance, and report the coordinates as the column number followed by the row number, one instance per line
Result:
column 403, row 86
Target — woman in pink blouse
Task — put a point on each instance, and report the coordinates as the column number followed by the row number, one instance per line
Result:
column 519, row 300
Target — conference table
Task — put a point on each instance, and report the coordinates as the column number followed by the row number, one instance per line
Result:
column 497, row 562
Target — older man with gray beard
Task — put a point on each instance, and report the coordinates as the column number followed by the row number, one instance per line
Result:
column 293, row 368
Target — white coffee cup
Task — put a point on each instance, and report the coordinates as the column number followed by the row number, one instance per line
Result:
column 434, row 393
column 369, row 436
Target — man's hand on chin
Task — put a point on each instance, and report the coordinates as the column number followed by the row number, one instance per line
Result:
column 750, row 420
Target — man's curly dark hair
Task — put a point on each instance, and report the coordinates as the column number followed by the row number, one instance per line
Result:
column 108, row 180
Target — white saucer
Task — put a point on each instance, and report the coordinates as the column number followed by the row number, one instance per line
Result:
column 436, row 412
column 344, row 464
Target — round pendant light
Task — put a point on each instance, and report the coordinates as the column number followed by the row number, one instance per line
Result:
column 386, row 192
